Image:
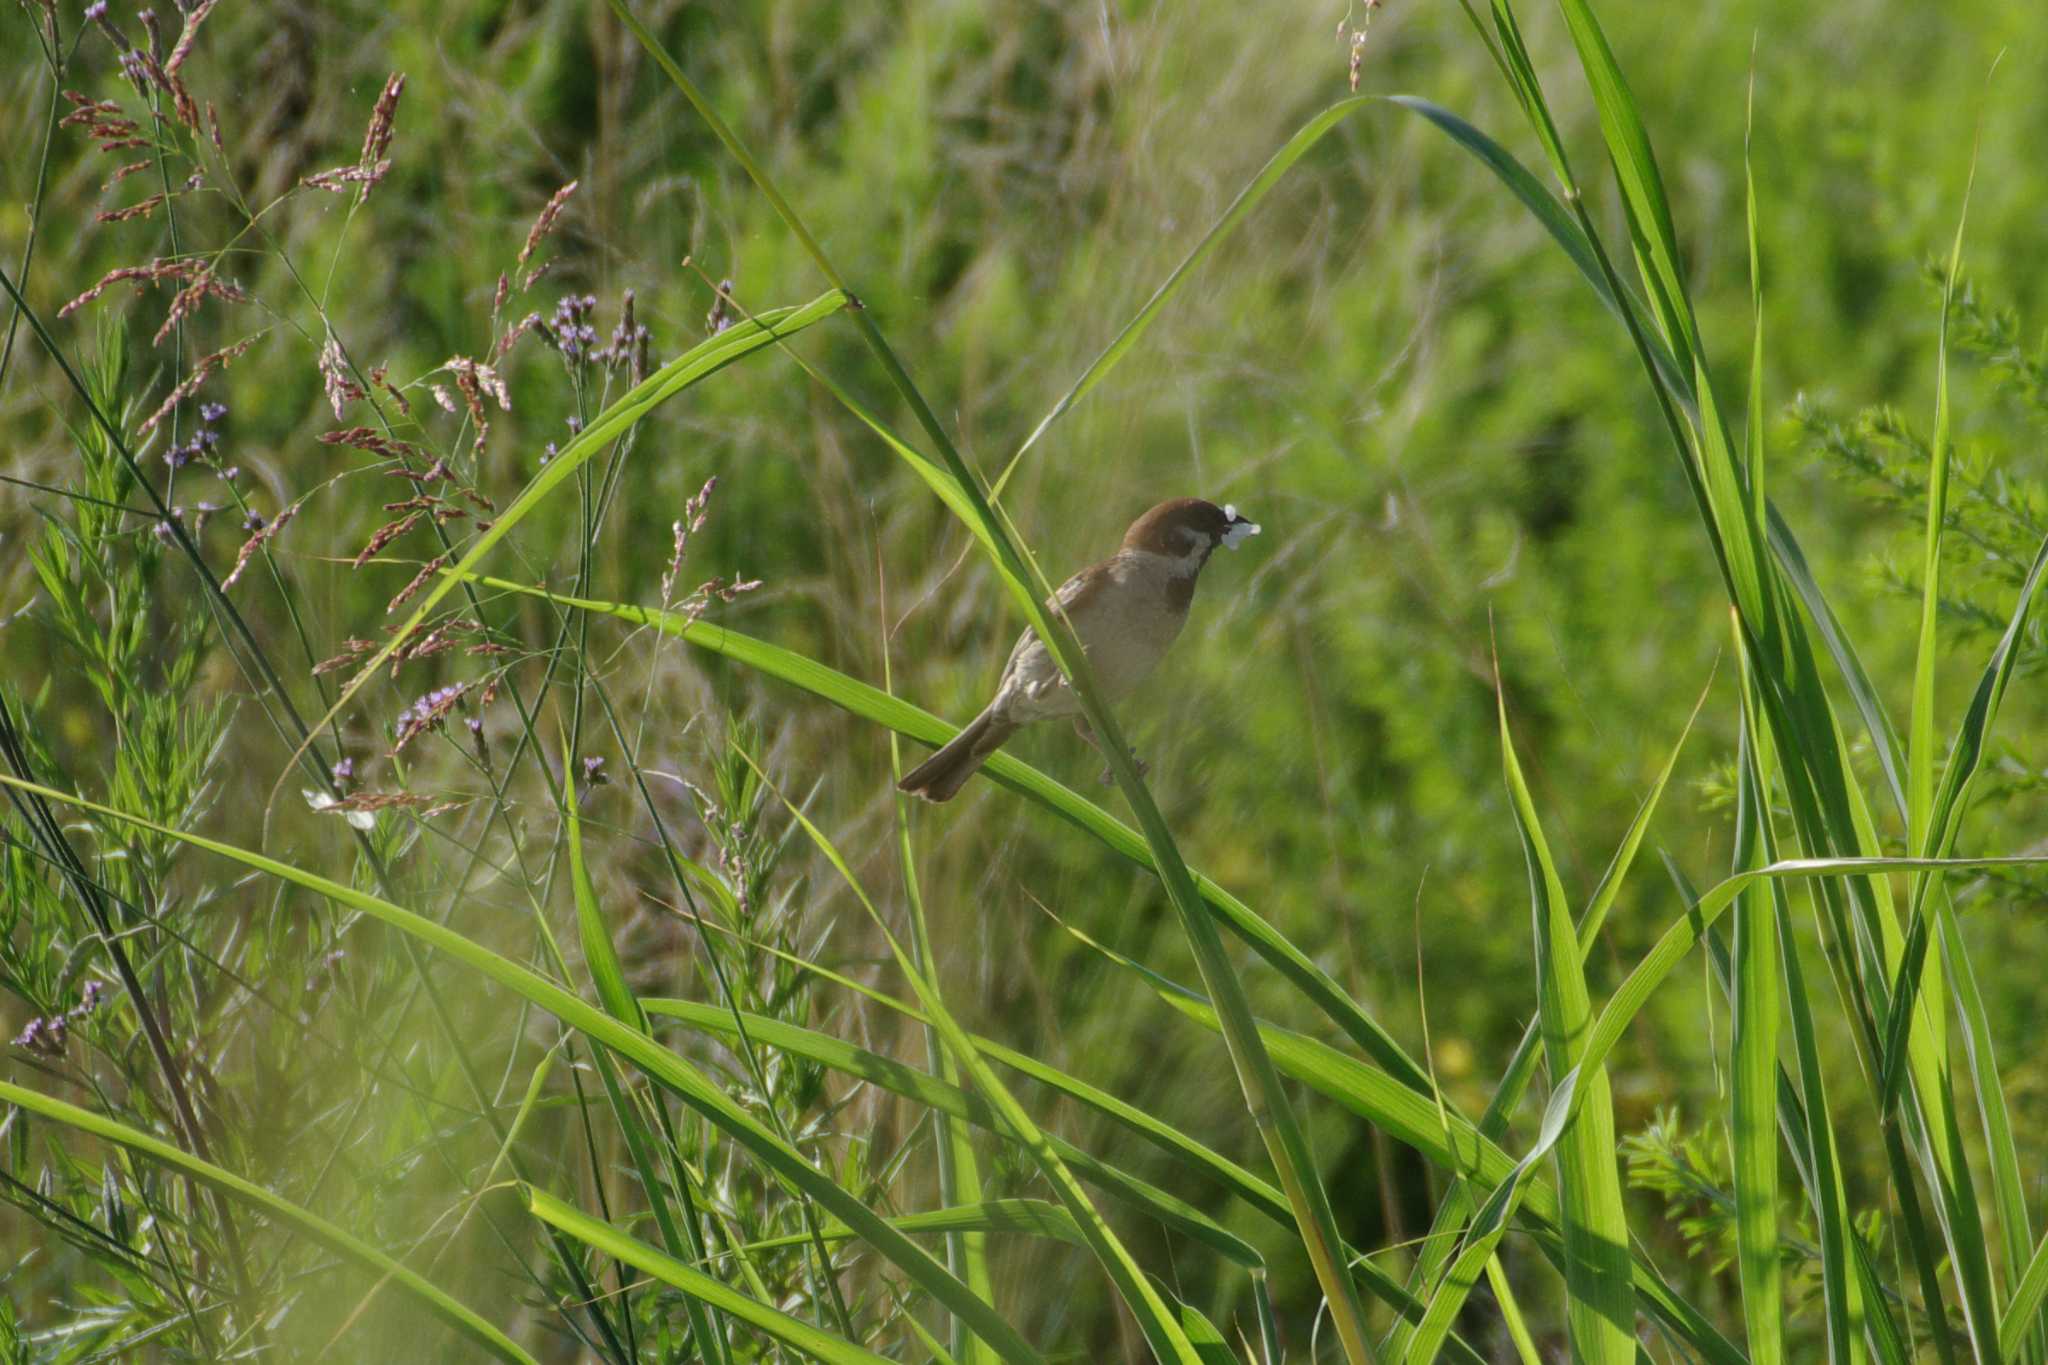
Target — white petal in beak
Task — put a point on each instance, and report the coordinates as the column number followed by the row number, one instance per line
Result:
column 1239, row 531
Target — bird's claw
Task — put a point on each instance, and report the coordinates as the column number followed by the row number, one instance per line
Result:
column 1109, row 774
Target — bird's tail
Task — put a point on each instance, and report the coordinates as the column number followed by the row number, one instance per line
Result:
column 940, row 777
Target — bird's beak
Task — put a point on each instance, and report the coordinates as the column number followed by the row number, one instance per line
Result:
column 1240, row 528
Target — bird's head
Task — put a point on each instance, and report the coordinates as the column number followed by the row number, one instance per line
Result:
column 1189, row 530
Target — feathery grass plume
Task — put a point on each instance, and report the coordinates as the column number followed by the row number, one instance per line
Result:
column 364, row 438
column 377, row 137
column 342, row 389
column 185, row 268
column 188, row 34
column 200, row 373
column 264, row 534
column 542, row 226
column 140, row 209
column 204, row 285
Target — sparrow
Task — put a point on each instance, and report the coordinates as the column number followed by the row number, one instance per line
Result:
column 1125, row 610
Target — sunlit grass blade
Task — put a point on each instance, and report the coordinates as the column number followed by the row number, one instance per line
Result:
column 660, row 1065
column 1481, row 1240
column 1601, row 1309
column 602, row 1236
column 343, row 1244
column 1160, row 1325
column 1920, row 755
column 2023, row 1311
column 1753, row 1119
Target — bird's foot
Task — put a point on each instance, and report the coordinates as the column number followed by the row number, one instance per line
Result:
column 1109, row 775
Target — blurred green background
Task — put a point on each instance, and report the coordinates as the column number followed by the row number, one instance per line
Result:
column 1390, row 366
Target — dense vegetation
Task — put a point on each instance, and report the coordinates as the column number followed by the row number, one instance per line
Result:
column 474, row 930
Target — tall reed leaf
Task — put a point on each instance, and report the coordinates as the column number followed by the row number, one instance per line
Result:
column 1602, row 1306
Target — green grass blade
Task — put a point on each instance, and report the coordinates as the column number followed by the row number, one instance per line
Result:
column 1884, row 737
column 1635, row 168
column 2023, row 1312
column 1804, row 1126
column 598, row 954
column 1481, row 1240
column 344, row 1245
column 609, row 978
column 1841, row 1297
column 1029, row 1217
column 1753, row 1123
column 1946, row 813
column 959, row 1167
column 794, row 1332
column 662, row 1066
column 1920, row 755
column 1601, row 1309
column 2008, row 1185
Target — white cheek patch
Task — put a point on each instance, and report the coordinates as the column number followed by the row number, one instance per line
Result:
column 1240, row 531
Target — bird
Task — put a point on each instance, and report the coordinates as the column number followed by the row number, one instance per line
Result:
column 1126, row 611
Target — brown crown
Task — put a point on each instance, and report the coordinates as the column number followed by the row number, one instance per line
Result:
column 1158, row 531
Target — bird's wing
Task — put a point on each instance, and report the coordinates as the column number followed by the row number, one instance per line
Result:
column 1074, row 597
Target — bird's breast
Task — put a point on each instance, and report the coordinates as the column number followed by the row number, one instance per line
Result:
column 1134, row 621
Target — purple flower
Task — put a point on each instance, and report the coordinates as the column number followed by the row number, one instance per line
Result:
column 253, row 522
column 231, row 473
column 212, row 412
column 594, row 774
column 345, row 770
column 96, row 11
